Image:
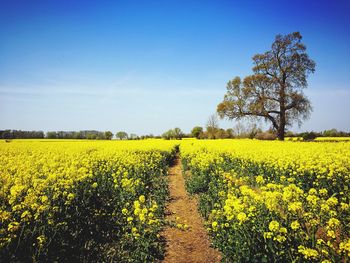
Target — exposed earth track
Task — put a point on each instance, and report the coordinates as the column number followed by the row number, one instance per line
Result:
column 191, row 244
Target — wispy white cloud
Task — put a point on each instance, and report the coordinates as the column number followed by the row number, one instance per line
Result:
column 111, row 90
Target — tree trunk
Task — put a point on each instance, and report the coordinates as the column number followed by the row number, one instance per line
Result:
column 281, row 128
column 282, row 124
column 280, row 133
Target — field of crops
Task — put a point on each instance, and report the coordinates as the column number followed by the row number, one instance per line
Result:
column 104, row 200
column 72, row 201
column 321, row 139
column 273, row 201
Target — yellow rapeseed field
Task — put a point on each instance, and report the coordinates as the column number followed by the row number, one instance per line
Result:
column 273, row 201
column 102, row 199
column 263, row 201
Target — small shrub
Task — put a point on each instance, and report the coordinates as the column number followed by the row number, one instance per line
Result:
column 308, row 136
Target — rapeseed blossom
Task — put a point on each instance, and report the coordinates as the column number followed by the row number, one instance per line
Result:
column 45, row 185
column 292, row 194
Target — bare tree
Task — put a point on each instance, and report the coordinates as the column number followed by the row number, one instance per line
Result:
column 212, row 126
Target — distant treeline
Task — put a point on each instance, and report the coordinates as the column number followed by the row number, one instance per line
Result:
column 325, row 133
column 18, row 134
column 85, row 134
column 211, row 132
column 15, row 134
column 90, row 135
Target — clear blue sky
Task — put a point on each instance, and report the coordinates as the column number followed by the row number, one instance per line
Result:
column 147, row 66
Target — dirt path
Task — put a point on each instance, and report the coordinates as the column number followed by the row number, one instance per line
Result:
column 192, row 244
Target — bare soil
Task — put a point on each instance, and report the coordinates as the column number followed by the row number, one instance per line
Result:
column 192, row 244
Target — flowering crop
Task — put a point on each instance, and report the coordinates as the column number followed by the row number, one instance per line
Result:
column 104, row 201
column 273, row 201
column 78, row 200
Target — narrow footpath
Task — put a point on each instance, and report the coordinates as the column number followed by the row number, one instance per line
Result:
column 185, row 244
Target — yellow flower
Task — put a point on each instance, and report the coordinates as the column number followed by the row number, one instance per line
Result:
column 137, row 211
column 142, row 199
column 137, row 204
column 312, row 199
column 242, row 217
column 26, row 215
column 274, row 226
column 259, row 179
column 44, row 199
column 295, row 225
column 41, row 240
column 325, row 208
column 344, row 206
column 13, row 226
column 295, row 206
column 70, row 196
column 214, row 225
column 331, row 233
column 332, row 201
column 344, row 247
column 283, row 230
column 312, row 191
column 142, row 217
column 323, row 192
column 280, row 238
column 333, row 222
column 308, row 253
column 268, row 235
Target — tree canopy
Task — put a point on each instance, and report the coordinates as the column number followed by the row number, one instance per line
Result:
column 175, row 133
column 196, row 131
column 108, row 135
column 121, row 135
column 274, row 91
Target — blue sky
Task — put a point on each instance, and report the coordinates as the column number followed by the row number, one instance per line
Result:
column 147, row 66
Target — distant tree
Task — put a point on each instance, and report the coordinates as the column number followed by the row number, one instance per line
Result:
column 121, row 135
column 148, row 136
column 133, row 136
column 6, row 134
column 221, row 134
column 309, row 136
column 230, row 133
column 196, row 131
column 275, row 91
column 78, row 135
column 168, row 134
column 108, row 135
column 253, row 131
column 212, row 126
column 203, row 135
column 51, row 135
column 290, row 134
column 175, row 133
column 178, row 134
column 330, row 133
column 239, row 130
column 101, row 136
column 91, row 136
